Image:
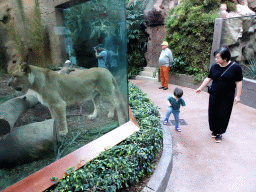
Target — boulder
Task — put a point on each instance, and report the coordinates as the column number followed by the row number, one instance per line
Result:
column 4, row 13
column 232, row 30
column 29, row 143
column 244, row 10
column 236, row 53
column 239, row 34
column 223, row 11
column 241, row 10
column 248, row 52
column 11, row 110
column 155, row 14
column 252, row 4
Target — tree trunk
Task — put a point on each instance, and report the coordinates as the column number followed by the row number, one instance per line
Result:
column 28, row 143
column 13, row 108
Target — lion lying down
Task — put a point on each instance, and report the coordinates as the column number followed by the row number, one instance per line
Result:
column 57, row 91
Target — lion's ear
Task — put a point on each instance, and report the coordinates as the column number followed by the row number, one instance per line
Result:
column 24, row 67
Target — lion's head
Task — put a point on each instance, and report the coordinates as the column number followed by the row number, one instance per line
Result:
column 21, row 77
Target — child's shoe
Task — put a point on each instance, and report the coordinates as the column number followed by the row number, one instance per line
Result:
column 165, row 122
column 178, row 129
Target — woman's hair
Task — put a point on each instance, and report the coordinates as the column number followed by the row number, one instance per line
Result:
column 178, row 92
column 224, row 53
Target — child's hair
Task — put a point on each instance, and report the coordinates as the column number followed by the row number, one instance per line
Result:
column 178, row 92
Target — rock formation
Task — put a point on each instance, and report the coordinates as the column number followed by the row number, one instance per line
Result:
column 241, row 10
column 252, row 4
column 155, row 14
column 19, row 37
column 239, row 32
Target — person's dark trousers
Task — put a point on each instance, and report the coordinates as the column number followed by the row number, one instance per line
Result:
column 219, row 112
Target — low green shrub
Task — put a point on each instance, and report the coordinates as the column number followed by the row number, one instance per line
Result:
column 230, row 6
column 125, row 163
column 179, row 66
column 189, row 31
column 249, row 70
column 137, row 37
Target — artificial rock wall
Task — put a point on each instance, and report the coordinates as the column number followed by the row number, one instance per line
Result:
column 237, row 30
column 239, row 34
column 155, row 14
column 11, row 15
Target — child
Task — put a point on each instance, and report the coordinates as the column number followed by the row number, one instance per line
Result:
column 174, row 103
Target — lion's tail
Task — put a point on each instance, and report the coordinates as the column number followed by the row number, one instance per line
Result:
column 121, row 104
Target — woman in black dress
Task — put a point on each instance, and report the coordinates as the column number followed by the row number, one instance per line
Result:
column 226, row 76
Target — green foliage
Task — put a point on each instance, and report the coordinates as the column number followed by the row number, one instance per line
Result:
column 94, row 18
column 189, row 31
column 136, row 37
column 179, row 66
column 230, row 6
column 133, row 71
column 92, row 23
column 250, row 69
column 126, row 163
column 200, row 77
column 210, row 5
column 156, row 71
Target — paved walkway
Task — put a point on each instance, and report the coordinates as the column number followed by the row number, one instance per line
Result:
column 199, row 163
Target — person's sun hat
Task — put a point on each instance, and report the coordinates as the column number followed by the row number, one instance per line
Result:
column 165, row 43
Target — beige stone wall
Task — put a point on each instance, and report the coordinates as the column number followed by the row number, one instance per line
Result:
column 53, row 56
column 156, row 9
column 9, row 17
column 156, row 36
column 49, row 19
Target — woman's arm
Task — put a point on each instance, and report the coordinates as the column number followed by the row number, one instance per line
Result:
column 239, row 86
column 205, row 82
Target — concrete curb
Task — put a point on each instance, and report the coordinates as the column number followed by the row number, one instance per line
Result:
column 159, row 180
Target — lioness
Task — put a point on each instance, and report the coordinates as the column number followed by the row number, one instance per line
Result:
column 57, row 91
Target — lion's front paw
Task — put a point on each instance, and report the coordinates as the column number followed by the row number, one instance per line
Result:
column 63, row 133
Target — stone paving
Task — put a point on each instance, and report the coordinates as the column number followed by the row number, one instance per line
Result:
column 199, row 163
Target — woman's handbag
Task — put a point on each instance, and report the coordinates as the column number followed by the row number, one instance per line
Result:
column 209, row 86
